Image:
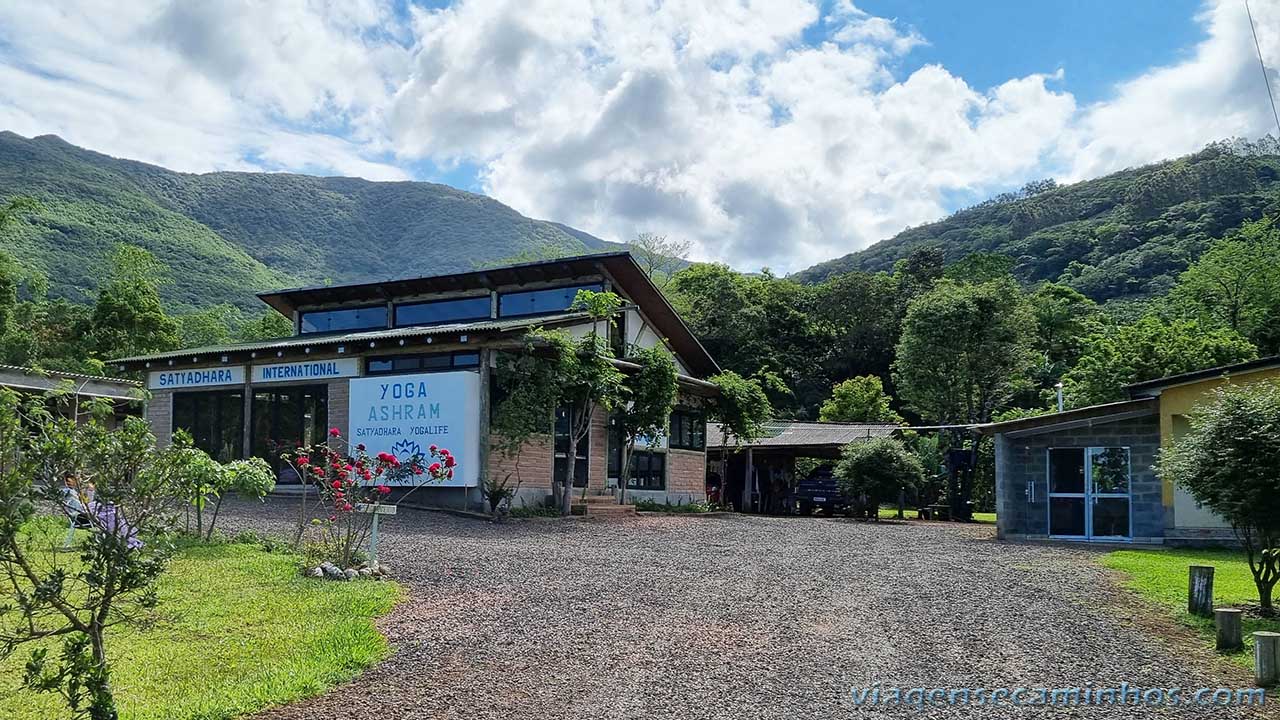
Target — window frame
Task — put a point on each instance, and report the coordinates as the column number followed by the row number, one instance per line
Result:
column 597, row 286
column 488, row 310
column 215, row 399
column 302, row 317
column 453, row 356
column 682, row 423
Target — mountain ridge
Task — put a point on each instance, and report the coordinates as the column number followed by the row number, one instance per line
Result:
column 1123, row 235
column 226, row 235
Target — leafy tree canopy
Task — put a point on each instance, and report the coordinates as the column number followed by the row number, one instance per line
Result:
column 859, row 399
column 1148, row 349
column 965, row 350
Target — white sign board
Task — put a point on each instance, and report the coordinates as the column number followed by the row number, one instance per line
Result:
column 306, row 370
column 406, row 414
column 196, row 377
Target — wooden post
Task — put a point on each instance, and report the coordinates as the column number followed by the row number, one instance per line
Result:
column 1266, row 658
column 1200, row 590
column 1230, row 632
column 748, row 476
column 902, row 501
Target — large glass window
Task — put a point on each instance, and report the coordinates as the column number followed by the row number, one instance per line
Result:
column 287, row 418
column 566, row 462
column 365, row 318
column 442, row 311
column 215, row 420
column 391, row 364
column 688, row 430
column 540, row 302
column 648, row 467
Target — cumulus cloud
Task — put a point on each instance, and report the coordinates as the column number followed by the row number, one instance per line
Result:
column 1217, row 92
column 721, row 121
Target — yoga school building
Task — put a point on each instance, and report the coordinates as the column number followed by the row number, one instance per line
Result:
column 403, row 364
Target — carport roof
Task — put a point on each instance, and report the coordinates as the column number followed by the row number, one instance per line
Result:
column 796, row 434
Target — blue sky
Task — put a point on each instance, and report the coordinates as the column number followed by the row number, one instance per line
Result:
column 1097, row 43
column 767, row 132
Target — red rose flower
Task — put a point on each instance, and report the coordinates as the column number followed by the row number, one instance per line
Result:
column 334, row 432
column 435, row 468
column 383, row 489
column 337, row 484
column 449, row 461
column 449, row 474
column 432, row 448
column 333, row 518
column 347, row 507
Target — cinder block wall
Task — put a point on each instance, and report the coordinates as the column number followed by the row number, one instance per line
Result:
column 1025, row 459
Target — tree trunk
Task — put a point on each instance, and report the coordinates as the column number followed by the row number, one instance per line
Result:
column 213, row 520
column 102, row 705
column 1264, row 596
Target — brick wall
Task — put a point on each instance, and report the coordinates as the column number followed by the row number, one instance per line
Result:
column 1023, row 459
column 598, row 451
column 686, row 475
column 535, row 465
column 340, row 406
column 159, row 414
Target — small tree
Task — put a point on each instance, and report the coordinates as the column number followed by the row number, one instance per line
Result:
column 873, row 470
column 129, row 490
column 583, row 373
column 1230, row 463
column 858, row 399
column 649, row 396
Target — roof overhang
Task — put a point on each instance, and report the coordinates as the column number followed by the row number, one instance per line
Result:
column 1152, row 388
column 620, row 267
column 35, row 380
column 1079, row 417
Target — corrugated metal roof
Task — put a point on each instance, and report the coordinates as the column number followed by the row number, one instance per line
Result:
column 795, row 433
column 70, row 375
column 364, row 336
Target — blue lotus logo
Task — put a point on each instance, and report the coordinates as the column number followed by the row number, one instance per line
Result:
column 406, row 449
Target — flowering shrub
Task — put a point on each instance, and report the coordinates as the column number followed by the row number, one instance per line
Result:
column 346, row 481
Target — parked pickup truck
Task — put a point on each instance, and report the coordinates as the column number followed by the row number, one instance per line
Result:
column 819, row 490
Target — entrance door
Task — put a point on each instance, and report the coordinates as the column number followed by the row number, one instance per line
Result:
column 1089, row 493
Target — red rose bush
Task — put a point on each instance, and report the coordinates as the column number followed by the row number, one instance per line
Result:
column 347, row 482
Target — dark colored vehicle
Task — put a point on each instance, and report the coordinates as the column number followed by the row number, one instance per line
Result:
column 819, row 490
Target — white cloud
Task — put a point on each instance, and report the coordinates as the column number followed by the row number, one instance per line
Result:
column 713, row 120
column 1217, row 92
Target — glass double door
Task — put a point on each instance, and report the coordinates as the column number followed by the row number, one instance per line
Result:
column 1089, row 493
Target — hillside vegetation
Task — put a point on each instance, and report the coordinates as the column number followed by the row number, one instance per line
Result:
column 228, row 235
column 1122, row 235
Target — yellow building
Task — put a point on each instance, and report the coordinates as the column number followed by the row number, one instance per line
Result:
column 1178, row 397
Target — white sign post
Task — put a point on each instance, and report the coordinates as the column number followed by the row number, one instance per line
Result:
column 406, row 414
column 377, row 510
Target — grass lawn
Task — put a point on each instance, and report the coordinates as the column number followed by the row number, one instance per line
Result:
column 890, row 513
column 238, row 630
column 1161, row 575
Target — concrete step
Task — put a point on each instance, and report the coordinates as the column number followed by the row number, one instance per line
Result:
column 601, row 500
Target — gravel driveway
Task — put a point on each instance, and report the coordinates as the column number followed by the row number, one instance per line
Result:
column 736, row 616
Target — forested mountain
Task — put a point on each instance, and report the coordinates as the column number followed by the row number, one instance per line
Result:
column 226, row 235
column 1122, row 235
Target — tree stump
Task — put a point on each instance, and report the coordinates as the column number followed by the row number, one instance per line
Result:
column 1200, row 590
column 1230, row 632
column 1266, row 658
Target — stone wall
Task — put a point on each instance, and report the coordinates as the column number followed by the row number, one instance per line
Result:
column 1023, row 460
